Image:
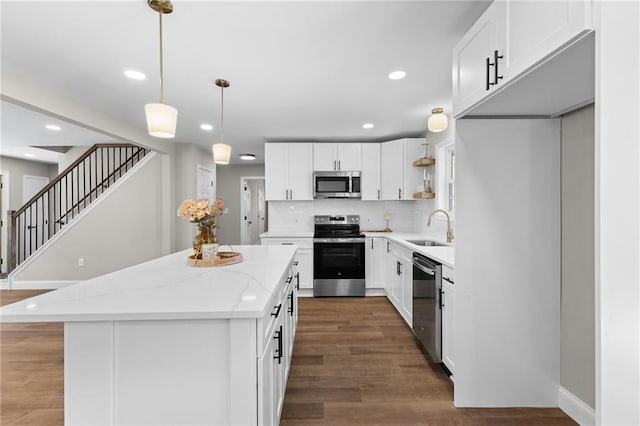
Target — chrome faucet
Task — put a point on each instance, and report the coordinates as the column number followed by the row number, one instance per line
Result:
column 449, row 232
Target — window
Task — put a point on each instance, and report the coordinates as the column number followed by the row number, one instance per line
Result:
column 446, row 170
column 450, row 176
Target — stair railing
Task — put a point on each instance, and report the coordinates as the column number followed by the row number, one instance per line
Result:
column 68, row 194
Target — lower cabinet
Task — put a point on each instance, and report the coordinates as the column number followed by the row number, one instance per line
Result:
column 448, row 318
column 304, row 256
column 398, row 273
column 374, row 257
column 275, row 360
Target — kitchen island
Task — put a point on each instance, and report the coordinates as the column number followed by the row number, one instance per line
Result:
column 163, row 343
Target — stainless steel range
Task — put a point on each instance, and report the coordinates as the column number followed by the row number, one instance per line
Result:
column 338, row 256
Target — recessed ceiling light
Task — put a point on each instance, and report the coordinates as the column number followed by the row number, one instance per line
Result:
column 52, row 127
column 248, row 157
column 29, row 155
column 367, row 126
column 135, row 75
column 206, row 126
column 397, row 75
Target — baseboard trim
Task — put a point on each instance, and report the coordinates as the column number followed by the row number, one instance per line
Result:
column 40, row 285
column 575, row 408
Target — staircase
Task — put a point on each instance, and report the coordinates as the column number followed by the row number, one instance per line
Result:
column 64, row 198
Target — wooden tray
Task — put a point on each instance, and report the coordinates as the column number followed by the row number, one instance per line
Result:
column 224, row 258
column 424, row 195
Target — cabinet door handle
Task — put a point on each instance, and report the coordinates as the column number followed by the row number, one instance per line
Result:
column 496, row 75
column 397, row 267
column 378, row 194
column 339, row 165
column 440, row 293
column 447, row 279
column 295, row 263
column 286, row 244
column 388, row 247
column 399, row 194
column 487, row 66
column 288, row 281
column 335, row 165
column 290, row 309
column 277, row 311
column 372, row 244
column 278, row 355
column 298, row 281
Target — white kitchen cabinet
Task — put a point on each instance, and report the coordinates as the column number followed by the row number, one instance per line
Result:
column 304, row 257
column 374, row 258
column 473, row 75
column 337, row 156
column 509, row 39
column 370, row 178
column 537, row 29
column 288, row 171
column 448, row 318
column 399, row 273
column 399, row 179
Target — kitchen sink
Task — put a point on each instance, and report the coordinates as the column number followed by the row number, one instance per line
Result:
column 427, row 243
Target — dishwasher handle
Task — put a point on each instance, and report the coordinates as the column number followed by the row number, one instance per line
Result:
column 422, row 267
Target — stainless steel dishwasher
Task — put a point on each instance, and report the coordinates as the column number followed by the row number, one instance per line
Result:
column 427, row 305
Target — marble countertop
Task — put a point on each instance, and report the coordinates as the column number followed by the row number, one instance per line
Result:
column 166, row 288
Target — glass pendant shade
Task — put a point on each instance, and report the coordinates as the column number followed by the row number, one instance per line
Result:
column 161, row 120
column 438, row 122
column 221, row 153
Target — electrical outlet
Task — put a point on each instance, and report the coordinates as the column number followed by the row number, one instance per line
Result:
column 81, row 261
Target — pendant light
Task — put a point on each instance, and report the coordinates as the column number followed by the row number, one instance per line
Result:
column 221, row 151
column 161, row 118
column 438, row 121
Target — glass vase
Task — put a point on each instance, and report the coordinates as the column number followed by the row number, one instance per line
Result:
column 206, row 235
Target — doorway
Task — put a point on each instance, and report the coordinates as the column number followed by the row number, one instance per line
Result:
column 4, row 208
column 253, row 211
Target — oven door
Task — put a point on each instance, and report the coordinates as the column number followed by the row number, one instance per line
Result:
column 338, row 267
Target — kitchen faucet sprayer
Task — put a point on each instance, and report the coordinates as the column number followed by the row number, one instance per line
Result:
column 449, row 232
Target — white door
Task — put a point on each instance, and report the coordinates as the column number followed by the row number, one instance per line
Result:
column 4, row 205
column 206, row 184
column 253, row 210
column 37, row 217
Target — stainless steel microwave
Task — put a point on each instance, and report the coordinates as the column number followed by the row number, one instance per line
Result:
column 336, row 185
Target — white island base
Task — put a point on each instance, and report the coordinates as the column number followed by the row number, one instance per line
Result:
column 217, row 354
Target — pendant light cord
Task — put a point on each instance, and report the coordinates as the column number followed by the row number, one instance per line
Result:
column 161, row 67
column 222, row 114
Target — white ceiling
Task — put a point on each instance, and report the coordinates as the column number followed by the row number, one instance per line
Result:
column 299, row 70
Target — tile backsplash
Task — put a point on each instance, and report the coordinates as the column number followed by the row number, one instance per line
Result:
column 406, row 216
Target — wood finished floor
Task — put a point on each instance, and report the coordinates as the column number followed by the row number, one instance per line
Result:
column 355, row 363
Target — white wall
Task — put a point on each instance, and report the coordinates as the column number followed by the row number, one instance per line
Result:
column 17, row 169
column 187, row 158
column 228, row 230
column 618, row 212
column 577, row 371
column 507, row 317
column 123, row 229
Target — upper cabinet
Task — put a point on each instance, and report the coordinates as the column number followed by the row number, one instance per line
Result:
column 474, row 76
column 511, row 38
column 370, row 179
column 399, row 179
column 337, row 156
column 288, row 171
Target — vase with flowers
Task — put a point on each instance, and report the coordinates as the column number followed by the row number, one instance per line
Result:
column 204, row 215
